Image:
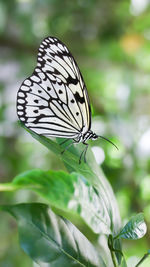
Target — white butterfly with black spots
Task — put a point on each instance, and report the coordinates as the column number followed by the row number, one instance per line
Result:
column 54, row 101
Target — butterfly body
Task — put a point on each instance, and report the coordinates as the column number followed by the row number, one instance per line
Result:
column 85, row 137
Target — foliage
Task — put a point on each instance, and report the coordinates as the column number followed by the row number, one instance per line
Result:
column 85, row 198
column 110, row 41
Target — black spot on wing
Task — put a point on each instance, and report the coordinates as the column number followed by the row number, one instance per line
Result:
column 78, row 98
column 72, row 80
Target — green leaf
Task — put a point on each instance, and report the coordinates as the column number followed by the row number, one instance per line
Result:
column 48, row 238
column 90, row 170
column 71, row 195
column 136, row 228
column 93, row 174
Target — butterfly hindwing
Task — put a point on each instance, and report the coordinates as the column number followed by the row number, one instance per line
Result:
column 53, row 101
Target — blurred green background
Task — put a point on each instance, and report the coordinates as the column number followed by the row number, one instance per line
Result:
column 111, row 42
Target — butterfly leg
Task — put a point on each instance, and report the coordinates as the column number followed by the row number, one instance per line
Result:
column 65, row 141
column 67, row 146
column 83, row 153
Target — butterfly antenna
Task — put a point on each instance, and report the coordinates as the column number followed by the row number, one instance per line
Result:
column 108, row 141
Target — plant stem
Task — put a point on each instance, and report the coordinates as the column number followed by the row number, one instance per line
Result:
column 144, row 258
column 8, row 187
column 12, row 187
column 110, row 245
column 113, row 258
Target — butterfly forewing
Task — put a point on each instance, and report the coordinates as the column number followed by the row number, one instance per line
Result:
column 53, row 101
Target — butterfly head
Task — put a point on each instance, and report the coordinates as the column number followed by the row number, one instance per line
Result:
column 89, row 135
column 94, row 136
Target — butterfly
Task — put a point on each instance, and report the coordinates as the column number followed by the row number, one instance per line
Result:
column 53, row 101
